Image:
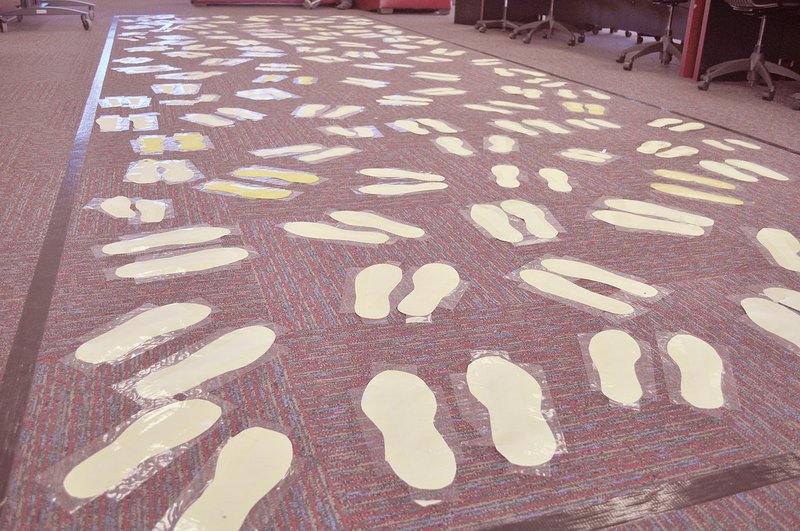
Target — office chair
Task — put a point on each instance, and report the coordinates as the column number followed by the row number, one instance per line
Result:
column 548, row 25
column 665, row 46
column 503, row 23
column 756, row 66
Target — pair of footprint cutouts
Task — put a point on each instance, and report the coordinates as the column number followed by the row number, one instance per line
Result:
column 363, row 219
column 693, row 193
column 176, row 264
column 615, row 354
column 651, row 217
column 494, row 220
column 247, row 468
column 664, row 150
column 741, row 170
column 554, row 280
column 403, row 182
column 374, row 285
column 158, row 144
column 403, row 408
column 146, row 210
column 676, row 124
column 140, row 122
column 262, row 174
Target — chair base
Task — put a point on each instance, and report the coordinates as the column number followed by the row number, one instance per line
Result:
column 665, row 47
column 483, row 25
column 548, row 27
column 756, row 68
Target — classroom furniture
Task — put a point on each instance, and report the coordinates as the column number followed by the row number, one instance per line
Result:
column 501, row 23
column 756, row 66
column 666, row 47
column 548, row 25
column 27, row 8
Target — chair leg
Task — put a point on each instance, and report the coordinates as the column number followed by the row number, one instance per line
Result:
column 555, row 25
column 763, row 73
column 728, row 67
column 639, row 51
column 779, row 70
column 527, row 29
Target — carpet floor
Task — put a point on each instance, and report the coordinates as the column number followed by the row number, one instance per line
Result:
column 422, row 98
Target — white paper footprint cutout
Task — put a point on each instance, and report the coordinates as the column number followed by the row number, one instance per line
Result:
column 227, row 353
column 141, row 329
column 557, row 180
column 454, row 146
column 701, row 371
column 403, row 408
column 614, row 354
column 249, row 466
column 513, row 399
column 783, row 246
column 179, row 264
column 373, row 286
column 152, row 434
column 536, row 222
column 775, row 318
column 177, row 237
column 322, row 231
column 432, row 283
column 506, row 175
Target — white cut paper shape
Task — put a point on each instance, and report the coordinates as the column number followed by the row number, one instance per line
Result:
column 158, row 240
column 775, row 318
column 701, row 371
column 396, row 173
column 190, row 262
column 151, row 435
column 614, row 354
column 557, row 180
column 229, row 352
column 495, row 221
column 432, row 283
column 513, row 399
column 249, row 466
column 140, row 330
column 403, row 408
column 376, row 221
column 118, row 207
column 506, row 175
column 783, row 246
column 152, row 211
column 536, row 222
column 373, row 286
column 322, row 231
column 558, row 286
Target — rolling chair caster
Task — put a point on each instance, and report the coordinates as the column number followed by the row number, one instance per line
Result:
column 621, row 59
column 482, row 29
column 581, row 38
column 527, row 39
column 768, row 95
column 703, row 84
column 666, row 58
column 570, row 42
column 87, row 24
column 796, row 102
column 627, row 66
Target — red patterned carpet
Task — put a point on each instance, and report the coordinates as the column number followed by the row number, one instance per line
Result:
column 309, row 384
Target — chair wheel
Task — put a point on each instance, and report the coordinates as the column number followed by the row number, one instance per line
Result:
column 703, row 84
column 3, row 26
column 595, row 31
column 91, row 13
column 527, row 40
column 512, row 35
column 666, row 58
column 621, row 59
column 627, row 66
column 639, row 39
column 627, row 33
column 87, row 24
column 768, row 96
column 482, row 29
column 581, row 38
column 19, row 18
column 477, row 25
